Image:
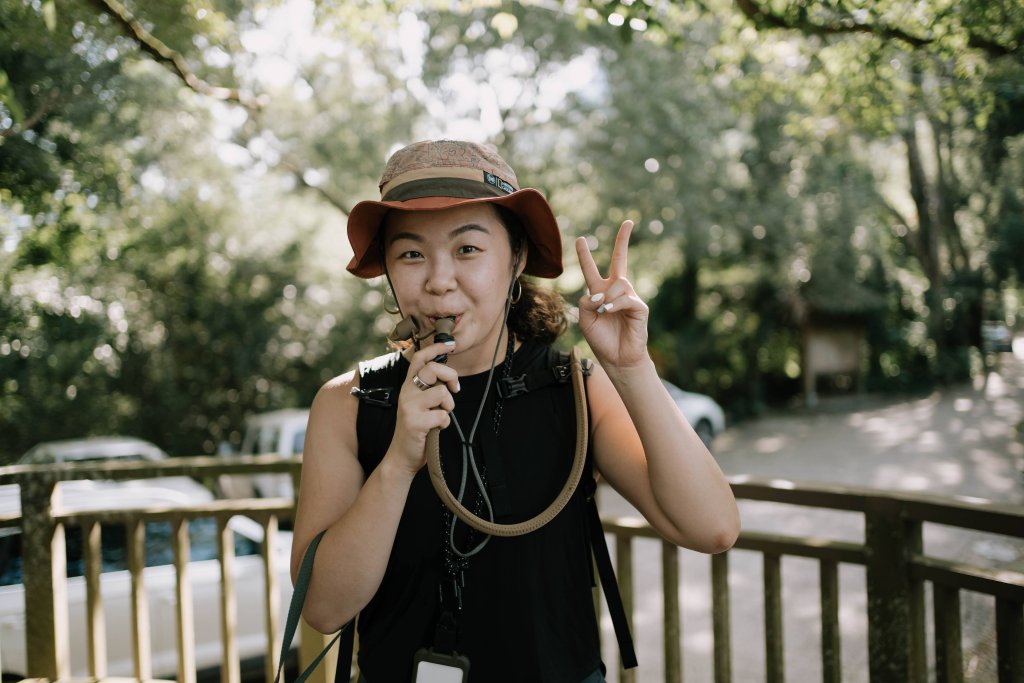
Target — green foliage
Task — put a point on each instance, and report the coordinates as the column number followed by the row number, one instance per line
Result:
column 141, row 290
column 172, row 261
column 1008, row 218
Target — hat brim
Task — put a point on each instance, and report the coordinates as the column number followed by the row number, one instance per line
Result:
column 544, row 256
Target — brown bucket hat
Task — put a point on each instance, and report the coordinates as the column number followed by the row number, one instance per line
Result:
column 440, row 174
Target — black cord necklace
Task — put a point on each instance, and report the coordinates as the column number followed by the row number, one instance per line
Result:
column 454, row 560
column 506, row 371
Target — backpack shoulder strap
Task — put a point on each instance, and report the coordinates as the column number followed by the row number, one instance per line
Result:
column 557, row 370
column 377, row 380
column 602, row 558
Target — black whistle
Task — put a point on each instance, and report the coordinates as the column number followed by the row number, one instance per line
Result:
column 443, row 333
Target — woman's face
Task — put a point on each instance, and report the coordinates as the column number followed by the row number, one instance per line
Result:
column 456, row 262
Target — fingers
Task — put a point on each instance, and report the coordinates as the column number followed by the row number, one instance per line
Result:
column 619, row 295
column 620, row 251
column 433, row 374
column 619, row 264
column 427, row 397
column 429, row 372
column 590, row 272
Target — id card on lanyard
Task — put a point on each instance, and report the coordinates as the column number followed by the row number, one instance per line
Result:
column 435, row 667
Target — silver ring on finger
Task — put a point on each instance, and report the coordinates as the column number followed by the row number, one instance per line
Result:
column 423, row 386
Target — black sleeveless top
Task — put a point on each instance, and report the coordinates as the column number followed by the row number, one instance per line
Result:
column 528, row 610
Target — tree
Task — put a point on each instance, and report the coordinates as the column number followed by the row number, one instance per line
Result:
column 203, row 305
column 940, row 85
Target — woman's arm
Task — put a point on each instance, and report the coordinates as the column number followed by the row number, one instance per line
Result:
column 648, row 452
column 643, row 445
column 360, row 517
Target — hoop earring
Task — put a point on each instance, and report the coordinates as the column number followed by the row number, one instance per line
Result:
column 393, row 309
column 516, row 295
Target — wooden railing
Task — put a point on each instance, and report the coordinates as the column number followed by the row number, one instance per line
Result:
column 44, row 568
column 897, row 569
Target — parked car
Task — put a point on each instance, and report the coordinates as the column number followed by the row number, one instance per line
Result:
column 92, row 495
column 159, row 579
column 93, row 448
column 996, row 337
column 281, row 432
column 702, row 412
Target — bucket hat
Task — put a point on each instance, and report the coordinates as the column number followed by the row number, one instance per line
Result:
column 440, row 174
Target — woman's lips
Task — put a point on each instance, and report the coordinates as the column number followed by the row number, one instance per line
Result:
column 433, row 319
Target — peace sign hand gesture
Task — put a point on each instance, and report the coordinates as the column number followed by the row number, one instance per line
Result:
column 612, row 317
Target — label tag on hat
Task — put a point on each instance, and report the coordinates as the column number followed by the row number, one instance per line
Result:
column 497, row 182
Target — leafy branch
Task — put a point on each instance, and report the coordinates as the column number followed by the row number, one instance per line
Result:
column 762, row 17
column 44, row 108
column 300, row 177
column 173, row 59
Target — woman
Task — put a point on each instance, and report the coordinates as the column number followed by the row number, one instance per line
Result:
column 453, row 234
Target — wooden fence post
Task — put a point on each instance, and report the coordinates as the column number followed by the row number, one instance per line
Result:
column 721, row 627
column 895, row 619
column 44, row 573
column 311, row 643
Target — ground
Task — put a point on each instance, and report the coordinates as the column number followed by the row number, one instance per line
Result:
column 961, row 441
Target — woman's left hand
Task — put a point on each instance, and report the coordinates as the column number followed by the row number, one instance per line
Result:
column 612, row 317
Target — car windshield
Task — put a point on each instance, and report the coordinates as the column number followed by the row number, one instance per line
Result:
column 114, row 548
column 299, row 441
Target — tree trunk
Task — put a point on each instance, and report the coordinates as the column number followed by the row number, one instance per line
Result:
column 928, row 235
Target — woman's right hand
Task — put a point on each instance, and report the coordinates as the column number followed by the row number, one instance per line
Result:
column 422, row 409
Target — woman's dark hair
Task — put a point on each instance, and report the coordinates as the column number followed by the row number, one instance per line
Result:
column 539, row 313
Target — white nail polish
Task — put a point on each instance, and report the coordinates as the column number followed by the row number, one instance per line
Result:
column 602, row 308
column 597, row 297
column 608, row 307
column 450, row 342
column 458, row 387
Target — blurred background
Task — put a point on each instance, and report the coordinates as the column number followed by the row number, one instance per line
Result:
column 829, row 193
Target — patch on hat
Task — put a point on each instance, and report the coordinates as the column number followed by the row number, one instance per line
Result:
column 497, row 182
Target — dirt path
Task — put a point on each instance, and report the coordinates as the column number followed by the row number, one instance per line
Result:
column 962, row 441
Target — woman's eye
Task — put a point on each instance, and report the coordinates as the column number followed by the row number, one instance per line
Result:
column 411, row 254
column 468, row 249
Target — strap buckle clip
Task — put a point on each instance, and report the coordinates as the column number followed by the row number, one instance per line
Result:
column 512, row 386
column 374, row 397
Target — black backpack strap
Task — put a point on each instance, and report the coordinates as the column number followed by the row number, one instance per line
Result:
column 377, row 378
column 603, row 560
column 343, row 672
column 557, row 371
column 609, row 585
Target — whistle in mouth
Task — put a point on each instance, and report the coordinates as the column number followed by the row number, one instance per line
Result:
column 404, row 330
column 443, row 333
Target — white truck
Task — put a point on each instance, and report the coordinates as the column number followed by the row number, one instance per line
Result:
column 279, row 431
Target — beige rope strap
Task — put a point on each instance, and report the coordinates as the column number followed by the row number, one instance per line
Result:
column 492, row 528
